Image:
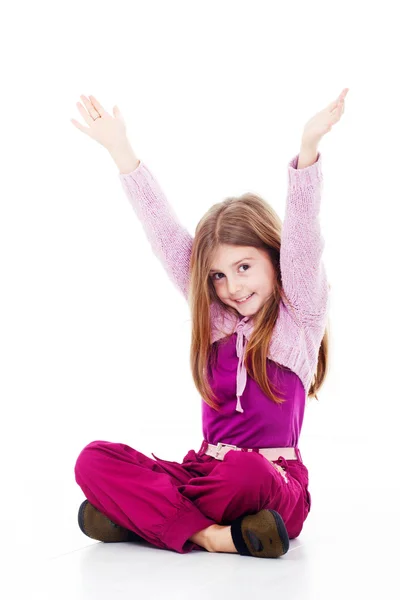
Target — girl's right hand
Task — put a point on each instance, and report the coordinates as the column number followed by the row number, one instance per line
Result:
column 108, row 131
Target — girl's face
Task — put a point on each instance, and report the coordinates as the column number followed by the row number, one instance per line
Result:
column 253, row 274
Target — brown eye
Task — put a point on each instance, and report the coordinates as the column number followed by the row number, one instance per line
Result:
column 244, row 265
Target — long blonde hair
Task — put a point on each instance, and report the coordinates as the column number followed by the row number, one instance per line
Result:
column 247, row 220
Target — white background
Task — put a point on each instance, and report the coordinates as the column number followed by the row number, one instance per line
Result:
column 94, row 337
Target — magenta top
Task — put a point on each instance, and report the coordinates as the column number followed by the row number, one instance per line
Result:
column 248, row 418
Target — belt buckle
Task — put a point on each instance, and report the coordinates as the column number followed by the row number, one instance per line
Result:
column 219, row 447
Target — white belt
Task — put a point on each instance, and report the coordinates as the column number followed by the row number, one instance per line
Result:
column 220, row 450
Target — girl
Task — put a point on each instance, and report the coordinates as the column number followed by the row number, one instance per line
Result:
column 258, row 295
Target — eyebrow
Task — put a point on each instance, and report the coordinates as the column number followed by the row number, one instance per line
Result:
column 233, row 265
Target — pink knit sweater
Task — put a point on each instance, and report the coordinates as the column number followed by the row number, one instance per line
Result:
column 298, row 333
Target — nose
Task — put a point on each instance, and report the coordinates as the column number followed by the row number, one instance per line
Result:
column 233, row 288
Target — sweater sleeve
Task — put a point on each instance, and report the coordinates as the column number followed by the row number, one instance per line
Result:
column 304, row 278
column 169, row 240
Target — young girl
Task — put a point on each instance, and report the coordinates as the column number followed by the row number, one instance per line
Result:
column 258, row 295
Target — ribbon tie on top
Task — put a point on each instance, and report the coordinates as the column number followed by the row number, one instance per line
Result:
column 243, row 330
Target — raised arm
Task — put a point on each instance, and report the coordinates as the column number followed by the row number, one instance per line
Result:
column 169, row 240
column 303, row 272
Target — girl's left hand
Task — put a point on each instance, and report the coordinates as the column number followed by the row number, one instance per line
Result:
column 323, row 121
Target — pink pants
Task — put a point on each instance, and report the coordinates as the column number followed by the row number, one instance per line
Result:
column 166, row 502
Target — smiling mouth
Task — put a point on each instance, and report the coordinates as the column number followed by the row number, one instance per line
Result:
column 245, row 299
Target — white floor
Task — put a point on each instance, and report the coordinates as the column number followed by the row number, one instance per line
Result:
column 348, row 546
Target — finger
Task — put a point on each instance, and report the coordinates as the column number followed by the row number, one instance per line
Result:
column 337, row 105
column 84, row 114
column 342, row 97
column 341, row 107
column 336, row 114
column 333, row 105
column 338, row 100
column 97, row 105
column 90, row 108
column 79, row 126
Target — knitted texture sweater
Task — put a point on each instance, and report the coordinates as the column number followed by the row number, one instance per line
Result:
column 248, row 418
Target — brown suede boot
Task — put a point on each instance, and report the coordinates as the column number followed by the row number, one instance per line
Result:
column 98, row 527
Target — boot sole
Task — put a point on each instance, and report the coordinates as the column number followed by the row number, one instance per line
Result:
column 263, row 535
